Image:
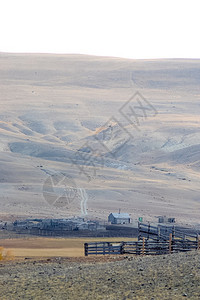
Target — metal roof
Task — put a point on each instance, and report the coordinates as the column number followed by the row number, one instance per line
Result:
column 121, row 215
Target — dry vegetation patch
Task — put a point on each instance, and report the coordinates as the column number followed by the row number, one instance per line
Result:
column 5, row 254
column 51, row 247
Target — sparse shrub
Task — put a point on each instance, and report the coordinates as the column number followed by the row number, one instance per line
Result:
column 6, row 254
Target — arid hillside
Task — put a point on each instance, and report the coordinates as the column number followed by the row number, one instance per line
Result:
column 83, row 135
column 111, row 277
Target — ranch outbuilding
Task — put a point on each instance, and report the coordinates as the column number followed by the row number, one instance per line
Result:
column 119, row 218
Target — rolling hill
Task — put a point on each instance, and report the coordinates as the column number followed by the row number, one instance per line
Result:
column 123, row 133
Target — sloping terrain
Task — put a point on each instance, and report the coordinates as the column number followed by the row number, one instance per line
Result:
column 125, row 132
column 149, row 277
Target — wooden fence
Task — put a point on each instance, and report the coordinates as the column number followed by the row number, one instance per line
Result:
column 103, row 248
column 142, row 247
column 162, row 232
column 152, row 240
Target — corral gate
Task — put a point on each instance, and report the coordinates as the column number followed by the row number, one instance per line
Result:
column 103, row 248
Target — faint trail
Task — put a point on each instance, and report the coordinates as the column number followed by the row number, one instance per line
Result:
column 84, row 199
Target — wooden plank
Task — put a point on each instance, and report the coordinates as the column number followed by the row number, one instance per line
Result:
column 104, row 253
column 143, row 246
column 86, row 249
column 101, row 247
column 170, row 243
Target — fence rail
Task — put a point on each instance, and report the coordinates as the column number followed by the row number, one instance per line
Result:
column 162, row 232
column 144, row 247
column 152, row 240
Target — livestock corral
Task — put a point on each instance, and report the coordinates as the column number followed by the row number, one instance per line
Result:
column 151, row 240
column 51, row 227
column 69, row 227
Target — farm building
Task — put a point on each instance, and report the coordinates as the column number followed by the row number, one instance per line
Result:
column 51, row 226
column 119, row 218
column 164, row 219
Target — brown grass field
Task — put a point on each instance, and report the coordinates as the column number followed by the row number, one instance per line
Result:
column 51, row 247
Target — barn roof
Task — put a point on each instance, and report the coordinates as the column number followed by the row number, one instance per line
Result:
column 121, row 215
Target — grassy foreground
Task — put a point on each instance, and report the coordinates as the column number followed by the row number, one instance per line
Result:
column 55, row 268
column 175, row 276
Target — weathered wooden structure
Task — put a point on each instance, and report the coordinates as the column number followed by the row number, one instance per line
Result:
column 103, row 248
column 164, row 219
column 152, row 240
column 143, row 247
column 162, row 232
column 52, row 227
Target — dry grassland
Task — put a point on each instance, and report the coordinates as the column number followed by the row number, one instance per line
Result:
column 163, row 277
column 51, row 247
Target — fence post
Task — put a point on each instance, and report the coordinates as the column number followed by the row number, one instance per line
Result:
column 143, row 245
column 103, row 248
column 198, row 242
column 146, row 246
column 139, row 226
column 170, row 243
column 137, row 249
column 86, row 249
column 109, row 248
column 173, row 232
column 149, row 229
column 158, row 233
column 122, row 248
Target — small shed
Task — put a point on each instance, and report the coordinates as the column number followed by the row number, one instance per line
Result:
column 162, row 219
column 171, row 220
column 119, row 218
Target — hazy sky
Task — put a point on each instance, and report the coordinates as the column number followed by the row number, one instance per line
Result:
column 133, row 29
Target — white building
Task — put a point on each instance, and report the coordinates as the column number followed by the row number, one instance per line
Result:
column 119, row 218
